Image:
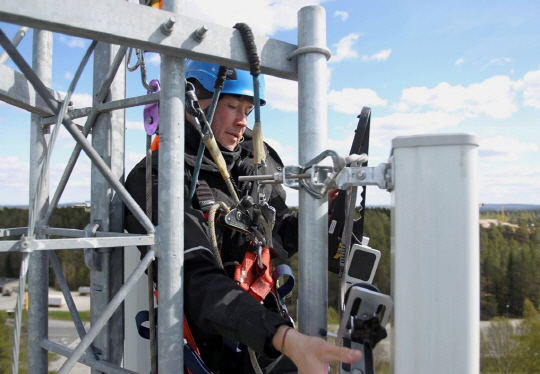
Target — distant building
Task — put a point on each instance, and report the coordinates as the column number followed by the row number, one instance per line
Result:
column 8, row 285
column 487, row 223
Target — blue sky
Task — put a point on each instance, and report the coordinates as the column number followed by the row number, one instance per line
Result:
column 422, row 67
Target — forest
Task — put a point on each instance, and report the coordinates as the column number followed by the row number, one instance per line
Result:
column 509, row 257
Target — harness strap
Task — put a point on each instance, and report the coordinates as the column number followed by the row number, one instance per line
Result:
column 289, row 284
column 258, row 282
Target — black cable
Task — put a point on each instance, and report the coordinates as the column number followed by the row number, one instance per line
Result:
column 251, row 48
column 221, row 77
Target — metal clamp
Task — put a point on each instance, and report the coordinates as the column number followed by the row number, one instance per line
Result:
column 26, row 244
column 303, row 50
column 365, row 176
column 92, row 259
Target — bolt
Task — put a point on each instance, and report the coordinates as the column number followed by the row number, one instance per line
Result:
column 361, row 175
column 167, row 27
column 238, row 215
column 200, row 33
column 149, row 120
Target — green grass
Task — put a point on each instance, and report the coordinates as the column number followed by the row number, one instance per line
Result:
column 66, row 316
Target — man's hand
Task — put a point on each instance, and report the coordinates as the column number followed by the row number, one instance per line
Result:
column 312, row 355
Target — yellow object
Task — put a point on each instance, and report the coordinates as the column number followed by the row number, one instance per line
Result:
column 258, row 145
column 26, row 300
column 156, row 4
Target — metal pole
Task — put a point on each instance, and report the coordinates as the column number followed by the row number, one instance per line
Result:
column 106, row 209
column 313, row 214
column 100, row 97
column 15, row 41
column 171, row 209
column 435, row 255
column 38, row 278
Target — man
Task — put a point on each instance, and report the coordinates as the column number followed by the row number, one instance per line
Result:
column 219, row 312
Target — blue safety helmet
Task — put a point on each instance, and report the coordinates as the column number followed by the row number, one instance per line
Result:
column 238, row 82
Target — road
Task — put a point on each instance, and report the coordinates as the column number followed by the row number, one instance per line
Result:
column 61, row 332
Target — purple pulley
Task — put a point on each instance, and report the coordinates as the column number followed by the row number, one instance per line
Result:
column 151, row 111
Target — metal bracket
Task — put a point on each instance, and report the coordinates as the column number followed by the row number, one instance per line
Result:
column 366, row 312
column 92, row 258
column 26, row 244
column 317, row 179
column 380, row 176
column 157, row 242
column 308, row 49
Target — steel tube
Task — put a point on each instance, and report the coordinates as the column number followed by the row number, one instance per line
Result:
column 106, row 209
column 77, row 243
column 19, row 35
column 171, row 209
column 108, row 312
column 15, row 231
column 38, row 278
column 102, row 366
column 101, row 95
column 94, row 20
column 74, row 233
column 435, row 255
column 312, row 134
column 108, row 107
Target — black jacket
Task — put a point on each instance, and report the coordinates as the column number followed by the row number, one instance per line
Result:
column 215, row 306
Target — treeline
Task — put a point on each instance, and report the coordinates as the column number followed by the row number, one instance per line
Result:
column 71, row 261
column 510, row 265
column 509, row 257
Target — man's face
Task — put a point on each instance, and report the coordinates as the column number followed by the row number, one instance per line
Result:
column 230, row 120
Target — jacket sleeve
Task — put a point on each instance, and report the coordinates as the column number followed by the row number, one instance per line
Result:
column 215, row 302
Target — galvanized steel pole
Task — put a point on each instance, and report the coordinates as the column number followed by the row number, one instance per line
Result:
column 312, row 133
column 106, row 209
column 435, row 255
column 170, row 232
column 38, row 277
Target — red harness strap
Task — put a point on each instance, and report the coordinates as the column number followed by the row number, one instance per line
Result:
column 258, row 282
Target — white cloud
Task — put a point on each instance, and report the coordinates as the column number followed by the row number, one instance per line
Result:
column 80, row 100
column 72, row 41
column 264, row 17
column 134, row 125
column 14, row 180
column 153, row 58
column 519, row 185
column 382, row 55
column 531, row 89
column 500, row 61
column 341, row 14
column 402, row 124
column 351, row 100
column 281, row 94
column 132, row 159
column 68, row 75
column 501, row 148
column 344, row 48
column 288, row 154
column 459, row 61
column 494, row 97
